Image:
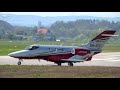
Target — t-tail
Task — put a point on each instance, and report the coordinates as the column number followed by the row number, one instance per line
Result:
column 99, row 41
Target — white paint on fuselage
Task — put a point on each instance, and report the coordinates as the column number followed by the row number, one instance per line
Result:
column 19, row 53
column 44, row 50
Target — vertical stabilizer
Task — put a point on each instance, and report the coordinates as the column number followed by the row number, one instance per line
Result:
column 99, row 41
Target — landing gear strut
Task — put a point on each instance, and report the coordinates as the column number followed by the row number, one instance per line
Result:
column 59, row 64
column 19, row 62
column 39, row 60
column 70, row 63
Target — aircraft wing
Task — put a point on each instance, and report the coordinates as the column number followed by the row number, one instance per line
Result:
column 72, row 60
column 75, row 58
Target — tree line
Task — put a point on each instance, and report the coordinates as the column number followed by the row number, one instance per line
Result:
column 83, row 30
column 80, row 30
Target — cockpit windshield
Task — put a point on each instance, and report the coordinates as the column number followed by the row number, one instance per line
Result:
column 31, row 47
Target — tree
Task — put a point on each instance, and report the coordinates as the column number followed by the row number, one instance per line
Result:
column 11, row 36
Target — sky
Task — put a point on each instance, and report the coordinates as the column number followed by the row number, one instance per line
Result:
column 44, row 14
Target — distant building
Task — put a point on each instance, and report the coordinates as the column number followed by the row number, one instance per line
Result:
column 61, row 39
column 58, row 40
column 46, row 35
column 21, row 37
column 42, row 30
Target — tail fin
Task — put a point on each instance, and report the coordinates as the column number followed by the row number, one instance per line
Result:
column 99, row 41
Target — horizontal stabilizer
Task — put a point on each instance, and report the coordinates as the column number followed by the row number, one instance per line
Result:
column 75, row 58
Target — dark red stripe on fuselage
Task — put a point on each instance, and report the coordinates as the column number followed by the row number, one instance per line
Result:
column 28, row 57
column 57, row 57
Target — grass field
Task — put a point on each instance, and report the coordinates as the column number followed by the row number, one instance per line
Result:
column 14, row 71
column 7, row 47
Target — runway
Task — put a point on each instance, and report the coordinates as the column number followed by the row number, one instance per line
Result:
column 102, row 59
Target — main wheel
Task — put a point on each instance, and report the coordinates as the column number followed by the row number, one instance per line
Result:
column 19, row 63
column 59, row 64
column 70, row 64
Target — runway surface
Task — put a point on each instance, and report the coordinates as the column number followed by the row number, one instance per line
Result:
column 102, row 59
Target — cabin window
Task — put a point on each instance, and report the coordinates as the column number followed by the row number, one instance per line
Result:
column 56, row 49
column 52, row 49
column 34, row 47
column 60, row 49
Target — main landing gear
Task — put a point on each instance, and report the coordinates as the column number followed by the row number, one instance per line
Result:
column 19, row 62
column 39, row 60
column 70, row 63
column 59, row 64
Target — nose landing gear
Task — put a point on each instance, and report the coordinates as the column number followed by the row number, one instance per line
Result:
column 19, row 62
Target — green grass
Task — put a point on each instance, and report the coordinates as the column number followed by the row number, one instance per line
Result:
column 7, row 47
column 31, row 71
column 113, row 47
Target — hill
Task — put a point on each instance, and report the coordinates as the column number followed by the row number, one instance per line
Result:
column 5, row 25
column 32, row 20
column 67, row 31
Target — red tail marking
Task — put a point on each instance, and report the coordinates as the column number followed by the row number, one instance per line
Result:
column 110, row 32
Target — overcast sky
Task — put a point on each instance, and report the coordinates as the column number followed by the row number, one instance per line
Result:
column 44, row 14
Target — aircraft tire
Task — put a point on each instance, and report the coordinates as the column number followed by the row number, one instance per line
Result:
column 59, row 64
column 19, row 63
column 70, row 64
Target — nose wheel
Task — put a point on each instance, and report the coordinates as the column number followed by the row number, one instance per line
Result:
column 19, row 62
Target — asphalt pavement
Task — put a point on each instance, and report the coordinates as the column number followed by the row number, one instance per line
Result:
column 103, row 59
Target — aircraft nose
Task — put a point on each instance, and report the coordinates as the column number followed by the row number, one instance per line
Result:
column 18, row 53
column 11, row 55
